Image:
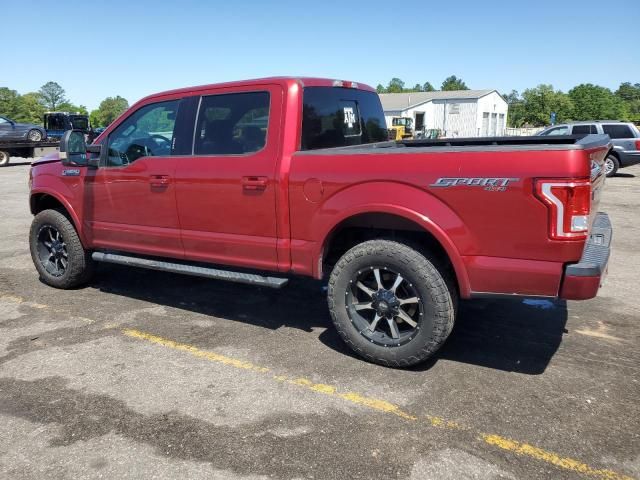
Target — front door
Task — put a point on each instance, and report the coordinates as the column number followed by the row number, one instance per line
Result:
column 226, row 191
column 132, row 205
column 6, row 128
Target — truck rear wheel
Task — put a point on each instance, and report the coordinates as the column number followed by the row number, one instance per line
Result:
column 57, row 252
column 4, row 158
column 390, row 303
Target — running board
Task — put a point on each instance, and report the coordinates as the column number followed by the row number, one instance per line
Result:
column 238, row 277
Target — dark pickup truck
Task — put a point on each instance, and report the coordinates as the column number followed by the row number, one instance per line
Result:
column 258, row 180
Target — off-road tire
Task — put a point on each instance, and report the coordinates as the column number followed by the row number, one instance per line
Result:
column 616, row 165
column 34, row 135
column 432, row 281
column 79, row 263
column 4, row 158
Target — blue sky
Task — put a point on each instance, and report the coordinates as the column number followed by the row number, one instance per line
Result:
column 133, row 48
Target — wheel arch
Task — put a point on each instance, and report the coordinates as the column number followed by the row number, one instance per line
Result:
column 45, row 200
column 384, row 221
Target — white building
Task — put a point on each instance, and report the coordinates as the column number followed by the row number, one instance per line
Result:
column 456, row 113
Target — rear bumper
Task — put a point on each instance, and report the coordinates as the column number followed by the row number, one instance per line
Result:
column 583, row 279
column 628, row 158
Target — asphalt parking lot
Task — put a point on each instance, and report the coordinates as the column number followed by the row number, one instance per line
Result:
column 152, row 375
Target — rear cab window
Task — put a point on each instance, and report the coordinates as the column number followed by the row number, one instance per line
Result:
column 338, row 117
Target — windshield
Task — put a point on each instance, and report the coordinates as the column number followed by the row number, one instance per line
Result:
column 79, row 122
column 337, row 117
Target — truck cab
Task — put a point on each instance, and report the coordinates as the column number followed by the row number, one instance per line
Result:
column 56, row 123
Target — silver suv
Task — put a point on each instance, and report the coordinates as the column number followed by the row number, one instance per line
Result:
column 624, row 136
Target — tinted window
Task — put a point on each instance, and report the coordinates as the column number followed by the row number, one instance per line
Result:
column 584, row 129
column 147, row 132
column 335, row 117
column 56, row 122
column 80, row 123
column 557, row 131
column 618, row 131
column 231, row 124
column 3, row 120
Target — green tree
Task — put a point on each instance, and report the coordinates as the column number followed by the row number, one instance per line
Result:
column 110, row 109
column 380, row 88
column 454, row 83
column 593, row 102
column 417, row 88
column 31, row 109
column 71, row 108
column 9, row 102
column 94, row 118
column 516, row 115
column 395, row 86
column 427, row 87
column 630, row 94
column 539, row 102
column 52, row 95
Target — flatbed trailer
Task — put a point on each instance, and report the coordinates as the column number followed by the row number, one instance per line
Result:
column 25, row 149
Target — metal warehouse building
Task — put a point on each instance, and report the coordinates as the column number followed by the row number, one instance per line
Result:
column 456, row 113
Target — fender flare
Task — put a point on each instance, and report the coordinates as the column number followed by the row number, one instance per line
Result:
column 65, row 203
column 325, row 231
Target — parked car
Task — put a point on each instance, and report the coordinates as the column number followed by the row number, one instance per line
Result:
column 14, row 131
column 625, row 137
column 188, row 181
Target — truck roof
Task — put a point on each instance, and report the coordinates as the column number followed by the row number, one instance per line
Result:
column 284, row 81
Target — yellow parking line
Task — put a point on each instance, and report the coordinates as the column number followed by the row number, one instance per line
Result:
column 550, row 457
column 512, row 446
column 211, row 356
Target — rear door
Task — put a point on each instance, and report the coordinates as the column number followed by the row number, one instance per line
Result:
column 226, row 190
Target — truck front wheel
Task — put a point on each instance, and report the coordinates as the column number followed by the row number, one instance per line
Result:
column 390, row 303
column 57, row 252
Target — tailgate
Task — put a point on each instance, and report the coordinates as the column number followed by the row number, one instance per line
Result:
column 597, row 157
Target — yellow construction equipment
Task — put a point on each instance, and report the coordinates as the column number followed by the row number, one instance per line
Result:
column 401, row 128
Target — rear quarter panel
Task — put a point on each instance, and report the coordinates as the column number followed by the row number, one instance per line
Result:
column 487, row 232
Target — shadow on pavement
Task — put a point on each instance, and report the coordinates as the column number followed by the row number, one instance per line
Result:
column 16, row 164
column 513, row 335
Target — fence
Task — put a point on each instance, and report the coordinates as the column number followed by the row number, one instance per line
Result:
column 523, row 131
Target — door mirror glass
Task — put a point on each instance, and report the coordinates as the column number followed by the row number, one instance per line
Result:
column 73, row 148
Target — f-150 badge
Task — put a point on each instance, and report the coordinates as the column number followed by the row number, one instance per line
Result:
column 490, row 184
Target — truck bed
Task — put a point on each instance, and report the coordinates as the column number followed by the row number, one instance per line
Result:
column 559, row 142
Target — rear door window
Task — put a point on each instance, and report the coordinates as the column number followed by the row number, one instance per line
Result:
column 584, row 129
column 232, row 124
column 336, row 117
column 618, row 131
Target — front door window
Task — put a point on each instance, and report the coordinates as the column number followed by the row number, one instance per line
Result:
column 146, row 133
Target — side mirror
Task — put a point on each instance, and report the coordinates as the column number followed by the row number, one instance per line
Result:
column 73, row 149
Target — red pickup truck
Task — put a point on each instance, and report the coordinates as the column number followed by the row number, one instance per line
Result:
column 257, row 180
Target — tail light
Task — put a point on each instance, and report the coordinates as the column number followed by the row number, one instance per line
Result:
column 569, row 204
column 637, row 144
